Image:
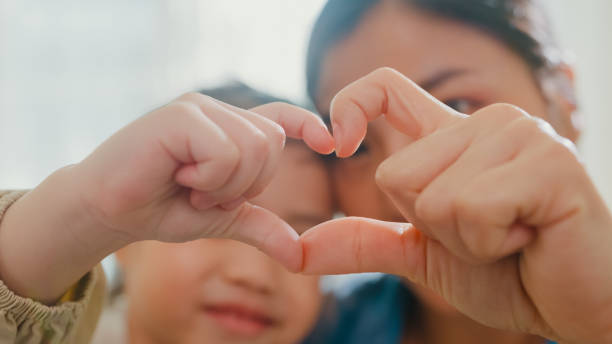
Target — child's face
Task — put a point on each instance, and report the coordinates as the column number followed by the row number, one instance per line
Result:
column 222, row 291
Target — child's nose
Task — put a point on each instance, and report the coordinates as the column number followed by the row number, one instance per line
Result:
column 251, row 269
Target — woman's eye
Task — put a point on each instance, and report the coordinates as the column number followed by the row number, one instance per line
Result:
column 361, row 150
column 461, row 105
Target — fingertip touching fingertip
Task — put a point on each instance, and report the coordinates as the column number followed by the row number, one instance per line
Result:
column 319, row 139
column 327, row 151
column 346, row 151
column 337, row 133
column 293, row 260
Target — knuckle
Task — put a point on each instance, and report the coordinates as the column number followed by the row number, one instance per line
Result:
column 563, row 152
column 525, row 128
column 271, row 110
column 466, row 207
column 504, row 111
column 182, row 109
column 546, row 141
column 275, row 105
column 230, row 157
column 544, row 126
column 342, row 102
column 192, row 97
column 277, row 135
column 427, row 209
column 386, row 72
column 477, row 248
column 471, row 228
column 259, row 145
column 386, row 176
column 538, row 129
column 392, row 175
column 388, row 75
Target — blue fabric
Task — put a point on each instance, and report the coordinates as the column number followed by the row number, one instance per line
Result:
column 373, row 313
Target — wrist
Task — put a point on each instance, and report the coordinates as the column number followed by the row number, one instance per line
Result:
column 48, row 240
column 87, row 225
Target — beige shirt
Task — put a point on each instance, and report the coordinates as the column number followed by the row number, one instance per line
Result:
column 23, row 320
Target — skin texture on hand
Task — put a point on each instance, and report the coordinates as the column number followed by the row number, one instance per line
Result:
column 182, row 172
column 511, row 230
column 185, row 171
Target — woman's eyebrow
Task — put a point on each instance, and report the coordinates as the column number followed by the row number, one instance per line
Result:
column 440, row 78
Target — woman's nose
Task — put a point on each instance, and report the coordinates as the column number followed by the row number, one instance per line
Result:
column 250, row 269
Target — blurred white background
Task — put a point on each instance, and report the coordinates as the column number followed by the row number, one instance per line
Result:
column 73, row 72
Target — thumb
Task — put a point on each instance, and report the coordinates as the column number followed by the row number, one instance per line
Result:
column 267, row 232
column 406, row 106
column 352, row 245
column 492, row 294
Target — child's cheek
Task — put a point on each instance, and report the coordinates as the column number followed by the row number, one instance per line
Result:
column 171, row 278
column 306, row 297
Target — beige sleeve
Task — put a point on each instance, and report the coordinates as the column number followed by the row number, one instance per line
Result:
column 23, row 320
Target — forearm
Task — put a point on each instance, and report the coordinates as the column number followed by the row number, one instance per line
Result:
column 48, row 240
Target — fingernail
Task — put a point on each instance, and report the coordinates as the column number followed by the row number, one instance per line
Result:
column 337, row 132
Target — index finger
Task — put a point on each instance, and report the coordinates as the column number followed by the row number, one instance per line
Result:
column 298, row 123
column 406, row 106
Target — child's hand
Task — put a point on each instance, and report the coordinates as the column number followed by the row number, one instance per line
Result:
column 179, row 173
column 511, row 230
column 184, row 171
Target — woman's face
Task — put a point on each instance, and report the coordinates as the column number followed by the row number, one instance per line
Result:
column 458, row 64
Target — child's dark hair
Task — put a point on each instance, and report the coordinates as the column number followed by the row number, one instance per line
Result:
column 520, row 24
column 241, row 95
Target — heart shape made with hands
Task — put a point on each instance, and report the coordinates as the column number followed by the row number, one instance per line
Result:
column 352, row 244
column 409, row 109
column 500, row 201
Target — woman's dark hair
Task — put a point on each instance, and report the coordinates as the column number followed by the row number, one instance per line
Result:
column 520, row 24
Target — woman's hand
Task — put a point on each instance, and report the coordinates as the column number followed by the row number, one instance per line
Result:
column 511, row 230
